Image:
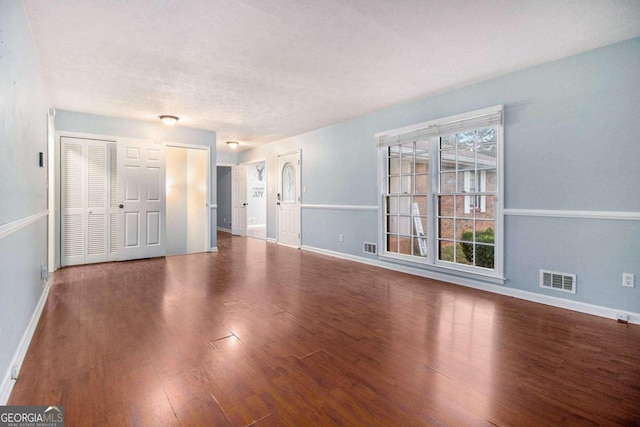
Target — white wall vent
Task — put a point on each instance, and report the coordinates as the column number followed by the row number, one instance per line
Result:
column 369, row 248
column 558, row 281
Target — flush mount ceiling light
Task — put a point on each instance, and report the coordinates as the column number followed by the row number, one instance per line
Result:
column 233, row 144
column 169, row 120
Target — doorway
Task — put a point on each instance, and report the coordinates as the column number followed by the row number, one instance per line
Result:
column 187, row 171
column 256, row 200
column 224, row 191
column 288, row 199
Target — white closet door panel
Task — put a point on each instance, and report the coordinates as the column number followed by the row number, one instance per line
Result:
column 113, row 202
column 97, row 200
column 85, row 229
column 72, row 216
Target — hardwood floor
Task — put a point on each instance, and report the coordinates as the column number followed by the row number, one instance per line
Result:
column 260, row 334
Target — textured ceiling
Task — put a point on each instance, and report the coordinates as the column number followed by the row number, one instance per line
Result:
column 260, row 70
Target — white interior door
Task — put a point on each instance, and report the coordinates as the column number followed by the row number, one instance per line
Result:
column 288, row 199
column 141, row 198
column 239, row 201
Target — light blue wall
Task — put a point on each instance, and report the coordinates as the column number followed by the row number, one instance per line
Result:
column 224, row 196
column 571, row 143
column 24, row 105
column 227, row 158
column 70, row 121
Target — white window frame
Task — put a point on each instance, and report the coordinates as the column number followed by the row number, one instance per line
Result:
column 432, row 129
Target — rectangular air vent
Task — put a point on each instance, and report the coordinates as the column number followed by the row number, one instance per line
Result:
column 563, row 282
column 370, row 248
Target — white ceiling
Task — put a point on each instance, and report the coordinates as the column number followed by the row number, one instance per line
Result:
column 260, row 70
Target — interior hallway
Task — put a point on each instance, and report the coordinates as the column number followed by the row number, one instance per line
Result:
column 260, row 334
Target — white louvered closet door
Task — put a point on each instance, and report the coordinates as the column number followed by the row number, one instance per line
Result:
column 72, row 218
column 97, row 199
column 87, row 185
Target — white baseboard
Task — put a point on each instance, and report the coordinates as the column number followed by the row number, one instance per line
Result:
column 224, row 230
column 581, row 307
column 7, row 383
column 271, row 240
column 214, row 249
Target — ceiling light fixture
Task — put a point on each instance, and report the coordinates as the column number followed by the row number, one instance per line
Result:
column 169, row 120
column 233, row 144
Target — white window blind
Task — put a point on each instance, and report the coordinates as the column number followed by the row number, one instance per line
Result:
column 488, row 117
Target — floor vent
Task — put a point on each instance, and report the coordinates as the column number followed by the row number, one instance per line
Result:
column 370, row 248
column 558, row 281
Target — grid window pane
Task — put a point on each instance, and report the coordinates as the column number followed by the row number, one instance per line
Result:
column 464, row 230
column 448, row 182
column 462, row 255
column 420, row 205
column 392, row 224
column 445, row 251
column 394, row 166
column 394, row 185
column 484, row 256
column 405, row 246
column 404, row 205
column 446, row 230
column 445, row 206
column 406, row 164
column 407, row 184
column 423, row 185
column 392, row 243
column 392, row 205
column 404, row 225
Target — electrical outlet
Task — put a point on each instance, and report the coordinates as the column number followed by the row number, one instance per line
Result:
column 627, row 280
column 623, row 318
column 341, row 237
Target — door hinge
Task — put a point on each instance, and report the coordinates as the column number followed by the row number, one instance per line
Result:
column 298, row 235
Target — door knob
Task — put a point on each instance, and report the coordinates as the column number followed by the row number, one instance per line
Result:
column 121, row 206
column 245, row 204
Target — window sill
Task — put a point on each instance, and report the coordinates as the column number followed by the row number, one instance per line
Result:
column 439, row 269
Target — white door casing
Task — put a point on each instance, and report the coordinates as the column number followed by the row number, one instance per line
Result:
column 141, row 198
column 239, row 201
column 289, row 199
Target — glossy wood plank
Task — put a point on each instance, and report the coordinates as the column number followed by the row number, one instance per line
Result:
column 259, row 334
